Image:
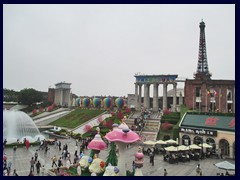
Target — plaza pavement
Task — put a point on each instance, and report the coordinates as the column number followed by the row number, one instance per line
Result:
column 21, row 161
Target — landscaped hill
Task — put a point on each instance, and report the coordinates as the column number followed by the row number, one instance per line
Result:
column 76, row 118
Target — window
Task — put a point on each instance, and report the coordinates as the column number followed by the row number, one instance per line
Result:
column 198, row 91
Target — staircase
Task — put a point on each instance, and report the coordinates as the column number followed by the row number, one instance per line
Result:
column 152, row 126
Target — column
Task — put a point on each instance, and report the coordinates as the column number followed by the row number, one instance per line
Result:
column 140, row 96
column 230, row 150
column 180, row 99
column 136, row 96
column 174, row 96
column 146, row 96
column 61, row 97
column 233, row 100
column 155, row 97
column 165, row 96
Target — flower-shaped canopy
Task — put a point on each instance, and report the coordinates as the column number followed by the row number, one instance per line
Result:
column 97, row 143
column 122, row 133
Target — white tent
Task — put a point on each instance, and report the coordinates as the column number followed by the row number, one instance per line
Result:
column 225, row 165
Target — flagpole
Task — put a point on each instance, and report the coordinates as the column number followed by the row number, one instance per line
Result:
column 206, row 99
column 219, row 96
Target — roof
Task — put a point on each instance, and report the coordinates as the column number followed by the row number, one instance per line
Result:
column 209, row 121
column 178, row 91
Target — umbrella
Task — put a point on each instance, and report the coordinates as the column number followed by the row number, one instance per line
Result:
column 171, row 141
column 171, row 148
column 194, row 146
column 205, row 145
column 149, row 143
column 182, row 148
column 161, row 142
column 225, row 165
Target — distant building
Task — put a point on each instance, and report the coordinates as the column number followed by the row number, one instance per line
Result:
column 204, row 94
column 62, row 94
column 51, row 95
column 215, row 129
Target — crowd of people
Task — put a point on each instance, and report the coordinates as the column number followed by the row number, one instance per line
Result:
column 61, row 153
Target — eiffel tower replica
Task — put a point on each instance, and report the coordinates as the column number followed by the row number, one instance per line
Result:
column 202, row 67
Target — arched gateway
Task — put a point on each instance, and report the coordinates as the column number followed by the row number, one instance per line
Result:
column 154, row 80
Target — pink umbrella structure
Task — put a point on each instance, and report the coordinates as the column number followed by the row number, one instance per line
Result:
column 97, row 144
column 139, row 162
column 122, row 136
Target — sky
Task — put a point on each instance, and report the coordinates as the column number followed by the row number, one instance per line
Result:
column 99, row 48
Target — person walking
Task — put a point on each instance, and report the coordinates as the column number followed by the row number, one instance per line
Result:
column 32, row 162
column 59, row 145
column 38, row 166
column 43, row 170
column 54, row 160
column 31, row 173
column 198, row 170
column 165, row 172
column 36, row 155
column 151, row 155
column 15, row 172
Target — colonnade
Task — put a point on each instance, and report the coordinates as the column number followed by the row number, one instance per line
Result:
column 146, row 103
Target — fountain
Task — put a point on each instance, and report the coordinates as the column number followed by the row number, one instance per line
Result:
column 17, row 125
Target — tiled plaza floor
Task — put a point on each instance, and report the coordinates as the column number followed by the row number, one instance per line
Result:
column 21, row 162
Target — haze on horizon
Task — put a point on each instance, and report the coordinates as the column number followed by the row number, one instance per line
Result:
column 98, row 48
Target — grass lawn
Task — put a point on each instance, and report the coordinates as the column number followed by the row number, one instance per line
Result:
column 76, row 118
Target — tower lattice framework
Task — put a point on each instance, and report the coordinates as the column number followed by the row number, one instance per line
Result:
column 202, row 67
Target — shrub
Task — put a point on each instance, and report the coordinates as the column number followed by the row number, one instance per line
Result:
column 87, row 128
column 108, row 124
column 167, row 126
column 120, row 115
column 128, row 110
column 34, row 112
column 166, row 112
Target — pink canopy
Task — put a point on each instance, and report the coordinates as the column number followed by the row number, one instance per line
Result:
column 97, row 143
column 123, row 134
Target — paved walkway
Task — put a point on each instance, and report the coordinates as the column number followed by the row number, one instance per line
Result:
column 21, row 161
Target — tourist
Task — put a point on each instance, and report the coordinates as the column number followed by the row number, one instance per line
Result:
column 41, row 145
column 54, row 160
column 165, row 172
column 227, row 174
column 4, row 142
column 198, row 170
column 31, row 173
column 59, row 145
column 151, row 155
column 15, row 172
column 9, row 167
column 14, row 150
column 5, row 171
column 43, row 170
column 133, row 166
column 76, row 147
column 38, row 166
column 32, row 162
column 36, row 155
column 80, row 138
column 60, row 162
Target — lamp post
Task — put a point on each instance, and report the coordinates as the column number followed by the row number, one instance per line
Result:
column 202, row 144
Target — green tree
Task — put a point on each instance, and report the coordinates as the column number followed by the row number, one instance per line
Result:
column 112, row 156
column 10, row 95
column 29, row 96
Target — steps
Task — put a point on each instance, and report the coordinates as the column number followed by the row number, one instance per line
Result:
column 152, row 126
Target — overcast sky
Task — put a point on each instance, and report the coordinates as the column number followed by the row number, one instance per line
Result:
column 99, row 48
